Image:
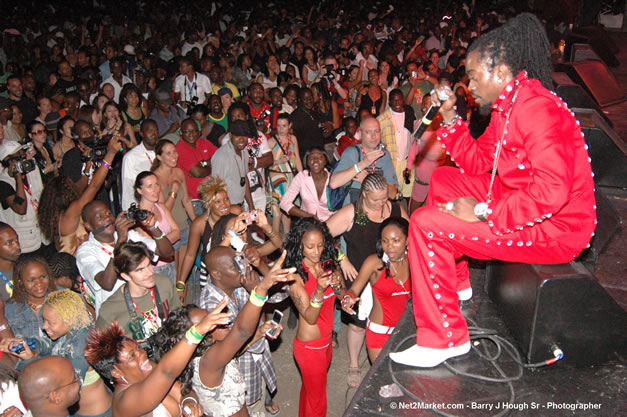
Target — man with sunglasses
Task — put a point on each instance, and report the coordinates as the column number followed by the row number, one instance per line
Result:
column 48, row 386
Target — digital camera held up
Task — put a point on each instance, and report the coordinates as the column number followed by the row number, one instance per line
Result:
column 98, row 148
column 135, row 213
column 23, row 165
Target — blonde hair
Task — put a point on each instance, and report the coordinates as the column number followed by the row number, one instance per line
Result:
column 70, row 307
column 209, row 188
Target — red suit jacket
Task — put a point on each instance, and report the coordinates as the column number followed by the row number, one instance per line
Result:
column 544, row 179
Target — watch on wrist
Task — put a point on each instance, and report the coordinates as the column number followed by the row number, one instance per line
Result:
column 481, row 210
column 204, row 163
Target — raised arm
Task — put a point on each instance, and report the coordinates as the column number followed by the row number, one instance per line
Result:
column 222, row 352
column 145, row 396
column 69, row 219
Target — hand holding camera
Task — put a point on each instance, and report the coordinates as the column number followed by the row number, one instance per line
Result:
column 372, row 156
column 122, row 225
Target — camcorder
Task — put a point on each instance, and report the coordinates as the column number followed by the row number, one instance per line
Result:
column 135, row 213
column 23, row 165
column 98, row 148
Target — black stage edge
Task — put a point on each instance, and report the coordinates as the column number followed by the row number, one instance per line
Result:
column 536, row 393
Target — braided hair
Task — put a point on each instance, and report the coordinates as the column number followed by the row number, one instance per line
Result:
column 521, row 44
column 374, row 181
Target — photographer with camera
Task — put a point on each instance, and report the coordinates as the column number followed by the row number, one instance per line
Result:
column 191, row 87
column 95, row 256
column 59, row 213
column 20, row 191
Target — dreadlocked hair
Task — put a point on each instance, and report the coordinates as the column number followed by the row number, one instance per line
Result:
column 399, row 222
column 63, row 264
column 294, row 244
column 19, row 292
column 103, row 348
column 70, row 308
column 208, row 189
column 172, row 331
column 372, row 182
column 56, row 197
column 521, row 44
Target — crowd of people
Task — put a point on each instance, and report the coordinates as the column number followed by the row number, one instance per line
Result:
column 173, row 175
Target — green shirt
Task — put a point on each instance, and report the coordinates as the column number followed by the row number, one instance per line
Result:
column 422, row 88
column 148, row 322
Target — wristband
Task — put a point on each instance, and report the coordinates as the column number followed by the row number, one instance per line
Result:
column 255, row 301
column 180, row 286
column 172, row 194
column 271, row 234
column 253, row 293
column 315, row 305
column 357, row 169
column 194, row 332
column 106, row 164
column 192, row 336
column 158, row 237
column 18, row 200
column 340, row 256
column 316, row 300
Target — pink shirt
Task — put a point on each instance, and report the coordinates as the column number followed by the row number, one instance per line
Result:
column 304, row 185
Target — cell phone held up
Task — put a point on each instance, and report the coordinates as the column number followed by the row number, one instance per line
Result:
column 328, row 266
column 272, row 333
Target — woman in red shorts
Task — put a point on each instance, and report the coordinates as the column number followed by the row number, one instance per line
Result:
column 388, row 273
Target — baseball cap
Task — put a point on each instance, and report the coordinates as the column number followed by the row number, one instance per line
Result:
column 163, row 97
column 9, row 147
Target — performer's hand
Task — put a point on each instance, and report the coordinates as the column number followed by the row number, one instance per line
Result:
column 462, row 207
column 447, row 108
column 348, row 301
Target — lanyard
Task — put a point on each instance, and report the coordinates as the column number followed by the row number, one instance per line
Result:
column 190, row 88
column 149, row 158
column 105, row 250
column 6, row 280
column 374, row 166
column 155, row 313
column 238, row 305
column 33, row 201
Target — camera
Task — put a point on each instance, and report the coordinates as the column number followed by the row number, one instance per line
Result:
column 135, row 213
column 19, row 348
column 23, row 165
column 381, row 147
column 262, row 116
column 241, row 263
column 98, row 148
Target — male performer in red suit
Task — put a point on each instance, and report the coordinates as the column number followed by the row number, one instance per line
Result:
column 523, row 191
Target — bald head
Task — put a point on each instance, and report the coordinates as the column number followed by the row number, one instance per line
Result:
column 370, row 133
column 49, row 386
column 219, row 258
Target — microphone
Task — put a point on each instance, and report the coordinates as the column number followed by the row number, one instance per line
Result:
column 430, row 114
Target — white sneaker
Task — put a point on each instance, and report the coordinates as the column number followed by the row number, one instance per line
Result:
column 465, row 295
column 423, row 357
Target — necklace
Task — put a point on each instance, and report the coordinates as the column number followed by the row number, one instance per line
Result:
column 499, row 144
column 35, row 307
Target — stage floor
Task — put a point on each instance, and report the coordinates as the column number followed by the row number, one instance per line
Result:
column 553, row 390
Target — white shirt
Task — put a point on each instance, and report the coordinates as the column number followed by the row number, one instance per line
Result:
column 199, row 87
column 135, row 161
column 117, row 88
column 92, row 257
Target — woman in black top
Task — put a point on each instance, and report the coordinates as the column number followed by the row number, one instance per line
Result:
column 44, row 156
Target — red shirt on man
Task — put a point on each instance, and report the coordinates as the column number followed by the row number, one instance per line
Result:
column 190, row 156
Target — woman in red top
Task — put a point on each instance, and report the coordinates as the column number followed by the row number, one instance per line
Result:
column 388, row 273
column 309, row 244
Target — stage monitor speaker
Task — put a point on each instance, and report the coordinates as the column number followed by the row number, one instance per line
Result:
column 596, row 79
column 574, row 95
column 557, row 305
column 607, row 150
column 581, row 51
column 600, row 43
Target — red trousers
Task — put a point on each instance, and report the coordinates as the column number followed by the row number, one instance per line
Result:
column 313, row 359
column 438, row 240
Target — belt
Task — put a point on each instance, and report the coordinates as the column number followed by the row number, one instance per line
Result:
column 378, row 328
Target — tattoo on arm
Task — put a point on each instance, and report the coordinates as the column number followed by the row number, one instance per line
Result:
column 300, row 306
